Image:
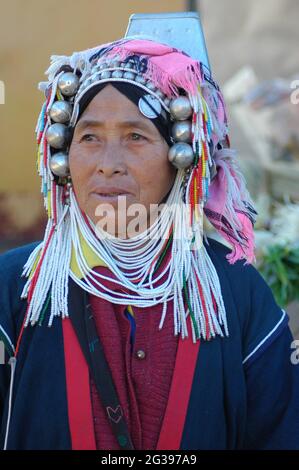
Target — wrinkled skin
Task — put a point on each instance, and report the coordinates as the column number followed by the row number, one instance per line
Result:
column 115, row 145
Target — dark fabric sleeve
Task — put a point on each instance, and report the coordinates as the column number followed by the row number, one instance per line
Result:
column 4, row 385
column 261, row 320
column 273, row 397
column 264, row 320
column 11, row 308
column 272, row 377
column 269, row 360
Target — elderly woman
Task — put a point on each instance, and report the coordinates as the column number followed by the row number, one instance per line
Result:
column 130, row 332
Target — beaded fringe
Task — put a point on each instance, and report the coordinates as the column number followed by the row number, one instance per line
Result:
column 208, row 317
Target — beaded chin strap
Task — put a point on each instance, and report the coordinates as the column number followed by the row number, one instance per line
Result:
column 174, row 83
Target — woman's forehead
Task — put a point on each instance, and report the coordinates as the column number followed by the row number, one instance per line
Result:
column 111, row 104
column 109, row 107
column 110, row 98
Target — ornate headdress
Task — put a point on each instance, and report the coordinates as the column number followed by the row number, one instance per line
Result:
column 207, row 180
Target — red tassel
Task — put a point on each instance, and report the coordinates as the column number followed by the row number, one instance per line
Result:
column 39, row 137
column 191, row 198
column 45, row 152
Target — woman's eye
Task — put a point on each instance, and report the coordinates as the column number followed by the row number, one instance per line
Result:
column 135, row 136
column 88, row 137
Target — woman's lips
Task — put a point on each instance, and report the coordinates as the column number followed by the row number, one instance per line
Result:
column 110, row 194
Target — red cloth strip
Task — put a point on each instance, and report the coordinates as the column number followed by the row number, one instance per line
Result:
column 178, row 401
column 78, row 391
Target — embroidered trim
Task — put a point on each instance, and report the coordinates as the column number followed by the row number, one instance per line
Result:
column 266, row 337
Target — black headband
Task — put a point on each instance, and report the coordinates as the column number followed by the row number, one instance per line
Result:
column 133, row 93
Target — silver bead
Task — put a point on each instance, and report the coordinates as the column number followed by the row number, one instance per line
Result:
column 105, row 75
column 181, row 155
column 129, row 75
column 103, row 66
column 61, row 111
column 181, row 131
column 180, row 108
column 140, row 354
column 68, row 83
column 57, row 135
column 140, row 79
column 59, row 164
column 117, row 74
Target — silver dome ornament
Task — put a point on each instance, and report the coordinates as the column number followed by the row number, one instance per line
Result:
column 181, row 131
column 61, row 111
column 180, row 108
column 59, row 164
column 181, row 155
column 117, row 74
column 149, row 106
column 68, row 83
column 57, row 135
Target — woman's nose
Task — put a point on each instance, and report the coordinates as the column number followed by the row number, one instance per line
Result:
column 111, row 160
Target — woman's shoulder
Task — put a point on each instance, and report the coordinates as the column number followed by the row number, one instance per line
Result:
column 262, row 320
column 13, row 260
column 239, row 274
column 12, row 283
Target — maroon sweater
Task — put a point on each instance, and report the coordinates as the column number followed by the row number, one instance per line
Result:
column 142, row 375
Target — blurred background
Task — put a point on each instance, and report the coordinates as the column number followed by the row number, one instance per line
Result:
column 253, row 53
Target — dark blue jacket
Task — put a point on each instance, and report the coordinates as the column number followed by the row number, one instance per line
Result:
column 245, row 388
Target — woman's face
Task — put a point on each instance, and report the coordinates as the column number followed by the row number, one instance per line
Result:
column 116, row 149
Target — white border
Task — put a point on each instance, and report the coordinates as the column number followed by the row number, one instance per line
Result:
column 8, row 338
column 266, row 337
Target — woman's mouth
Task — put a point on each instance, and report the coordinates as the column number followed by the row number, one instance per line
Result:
column 110, row 196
